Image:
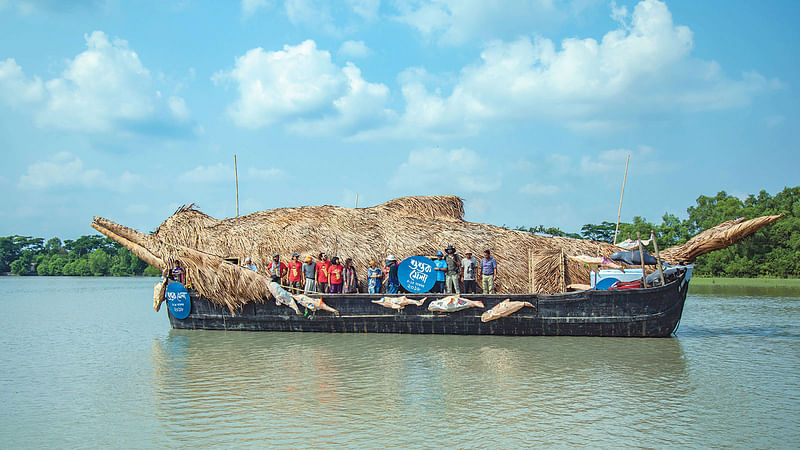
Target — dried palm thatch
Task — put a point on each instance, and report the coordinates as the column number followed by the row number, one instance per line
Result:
column 716, row 238
column 404, row 227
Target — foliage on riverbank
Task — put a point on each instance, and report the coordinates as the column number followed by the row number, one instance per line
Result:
column 793, row 283
column 89, row 255
column 771, row 252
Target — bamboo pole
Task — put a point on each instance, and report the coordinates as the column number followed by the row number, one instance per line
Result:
column 531, row 283
column 356, row 200
column 561, row 268
column 641, row 257
column 619, row 211
column 236, row 177
column 658, row 256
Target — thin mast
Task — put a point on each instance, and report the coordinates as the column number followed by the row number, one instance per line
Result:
column 236, row 177
column 619, row 211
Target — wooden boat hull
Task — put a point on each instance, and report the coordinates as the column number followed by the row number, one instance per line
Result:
column 651, row 312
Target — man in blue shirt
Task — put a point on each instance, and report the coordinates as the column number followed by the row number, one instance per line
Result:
column 440, row 266
column 392, row 280
column 488, row 272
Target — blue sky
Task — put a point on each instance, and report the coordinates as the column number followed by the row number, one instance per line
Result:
column 526, row 109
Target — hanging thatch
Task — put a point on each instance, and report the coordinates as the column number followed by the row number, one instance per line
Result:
column 716, row 238
column 404, row 227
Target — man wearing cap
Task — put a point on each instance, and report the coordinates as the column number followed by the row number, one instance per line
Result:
column 309, row 267
column 440, row 266
column 277, row 268
column 248, row 264
column 392, row 280
column 296, row 274
column 488, row 272
column 468, row 266
column 453, row 264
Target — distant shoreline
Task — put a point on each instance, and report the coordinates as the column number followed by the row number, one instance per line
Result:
column 746, row 282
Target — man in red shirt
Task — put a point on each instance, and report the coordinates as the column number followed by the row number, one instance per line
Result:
column 277, row 268
column 321, row 272
column 295, row 274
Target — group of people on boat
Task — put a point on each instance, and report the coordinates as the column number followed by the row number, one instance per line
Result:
column 323, row 275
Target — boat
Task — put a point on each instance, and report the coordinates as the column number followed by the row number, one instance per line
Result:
column 223, row 295
column 649, row 312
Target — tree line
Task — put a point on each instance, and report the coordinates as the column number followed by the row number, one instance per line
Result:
column 90, row 255
column 771, row 252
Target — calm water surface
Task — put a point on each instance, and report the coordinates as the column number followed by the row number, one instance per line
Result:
column 88, row 363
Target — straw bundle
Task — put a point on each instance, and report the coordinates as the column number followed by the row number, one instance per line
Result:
column 716, row 238
column 404, row 227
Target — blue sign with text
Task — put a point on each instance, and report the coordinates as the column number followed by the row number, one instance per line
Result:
column 178, row 300
column 416, row 274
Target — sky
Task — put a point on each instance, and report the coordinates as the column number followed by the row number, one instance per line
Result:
column 525, row 109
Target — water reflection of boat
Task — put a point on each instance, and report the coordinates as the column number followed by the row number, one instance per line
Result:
column 650, row 312
column 293, row 377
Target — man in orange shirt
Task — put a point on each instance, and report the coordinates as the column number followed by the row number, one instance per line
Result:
column 296, row 274
column 322, row 272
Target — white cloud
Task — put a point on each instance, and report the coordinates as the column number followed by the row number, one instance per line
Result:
column 354, row 49
column 65, row 170
column 366, row 9
column 265, row 174
column 455, row 22
column 218, row 173
column 641, row 70
column 223, row 173
column 537, row 189
column 15, row 88
column 300, row 85
column 445, row 171
column 103, row 89
column 178, row 108
column 249, row 7
column 314, row 14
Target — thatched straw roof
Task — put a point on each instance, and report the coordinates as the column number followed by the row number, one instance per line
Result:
column 404, row 227
column 717, row 238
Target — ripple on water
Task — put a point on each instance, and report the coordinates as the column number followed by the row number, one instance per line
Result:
column 90, row 363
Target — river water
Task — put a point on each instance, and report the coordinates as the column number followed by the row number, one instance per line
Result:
column 86, row 362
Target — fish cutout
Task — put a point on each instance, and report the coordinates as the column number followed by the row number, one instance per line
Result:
column 282, row 297
column 453, row 303
column 159, row 293
column 313, row 304
column 398, row 302
column 504, row 309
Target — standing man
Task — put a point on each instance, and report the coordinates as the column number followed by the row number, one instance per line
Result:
column 453, row 263
column 440, row 266
column 322, row 273
column 308, row 275
column 277, row 268
column 296, row 274
column 392, row 280
column 488, row 272
column 468, row 266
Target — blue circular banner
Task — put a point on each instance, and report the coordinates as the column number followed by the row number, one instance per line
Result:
column 416, row 274
column 178, row 300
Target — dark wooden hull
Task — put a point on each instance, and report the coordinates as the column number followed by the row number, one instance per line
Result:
column 651, row 312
